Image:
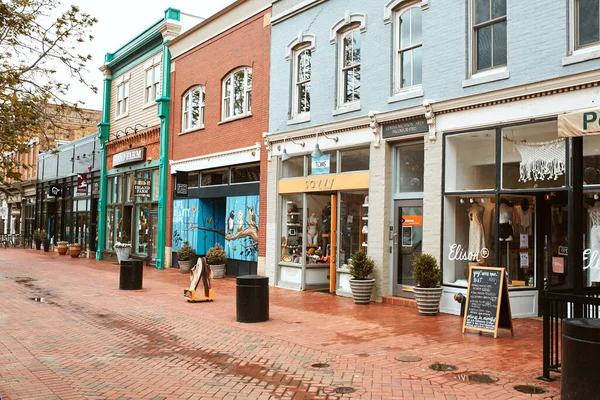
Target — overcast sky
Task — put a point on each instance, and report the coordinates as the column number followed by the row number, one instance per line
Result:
column 118, row 22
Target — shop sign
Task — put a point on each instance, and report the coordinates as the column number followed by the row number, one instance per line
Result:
column 181, row 183
column 321, row 165
column 141, row 188
column 15, row 212
column 410, row 127
column 129, row 156
column 54, row 191
column 412, row 220
column 583, row 123
column 81, row 183
column 95, row 188
column 331, row 183
column 4, row 210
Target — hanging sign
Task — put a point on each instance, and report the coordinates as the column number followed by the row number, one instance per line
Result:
column 488, row 306
column 583, row 123
column 95, row 188
column 81, row 183
column 141, row 188
column 181, row 183
column 321, row 165
column 129, row 156
column 54, row 191
column 4, row 210
column 15, row 212
column 409, row 127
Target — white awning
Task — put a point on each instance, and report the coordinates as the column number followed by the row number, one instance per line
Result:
column 580, row 123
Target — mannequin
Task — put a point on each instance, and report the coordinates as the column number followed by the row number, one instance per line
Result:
column 312, row 232
column 476, row 232
column 594, row 240
column 506, row 217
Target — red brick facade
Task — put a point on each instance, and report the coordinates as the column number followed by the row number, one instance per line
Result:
column 148, row 138
column 246, row 44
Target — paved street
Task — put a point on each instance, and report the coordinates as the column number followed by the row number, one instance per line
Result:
column 88, row 340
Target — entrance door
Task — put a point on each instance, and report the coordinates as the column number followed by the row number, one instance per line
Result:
column 153, row 228
column 408, row 242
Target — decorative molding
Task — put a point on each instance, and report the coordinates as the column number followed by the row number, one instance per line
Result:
column 374, row 125
column 349, row 18
column 392, row 5
column 297, row 9
column 230, row 157
column 430, row 115
column 267, row 144
column 169, row 30
column 301, row 38
column 105, row 71
column 141, row 138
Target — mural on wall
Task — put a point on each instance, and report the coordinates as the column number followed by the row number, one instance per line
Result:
column 185, row 216
column 198, row 221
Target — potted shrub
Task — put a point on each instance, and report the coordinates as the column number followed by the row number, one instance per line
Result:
column 44, row 240
column 74, row 250
column 428, row 292
column 185, row 257
column 217, row 259
column 61, row 247
column 37, row 239
column 123, row 251
column 361, row 266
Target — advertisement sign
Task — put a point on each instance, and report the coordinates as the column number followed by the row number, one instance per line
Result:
column 129, row 156
column 181, row 183
column 409, row 127
column 412, row 220
column 81, row 183
column 54, row 191
column 321, row 165
column 142, row 187
column 558, row 265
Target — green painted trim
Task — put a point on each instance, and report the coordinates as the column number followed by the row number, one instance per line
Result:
column 172, row 13
column 137, row 61
column 104, row 128
column 122, row 170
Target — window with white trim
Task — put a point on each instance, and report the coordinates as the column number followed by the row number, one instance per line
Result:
column 193, row 109
column 123, row 98
column 489, row 34
column 587, row 23
column 409, row 47
column 152, row 91
column 237, row 94
column 302, row 80
column 349, row 68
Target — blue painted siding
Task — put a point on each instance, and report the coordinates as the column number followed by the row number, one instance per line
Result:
column 537, row 36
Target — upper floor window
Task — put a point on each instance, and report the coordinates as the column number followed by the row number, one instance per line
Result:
column 587, row 22
column 237, row 93
column 349, row 70
column 409, row 43
column 123, row 98
column 152, row 91
column 489, row 34
column 193, row 109
column 302, row 80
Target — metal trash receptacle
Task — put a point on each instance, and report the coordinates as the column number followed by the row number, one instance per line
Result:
column 131, row 274
column 252, row 298
column 580, row 358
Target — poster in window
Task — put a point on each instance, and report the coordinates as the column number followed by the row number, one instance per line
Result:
column 321, row 165
column 524, row 240
column 524, row 260
column 407, row 236
column 558, row 265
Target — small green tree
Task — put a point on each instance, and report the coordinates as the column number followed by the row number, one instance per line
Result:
column 216, row 255
column 361, row 266
column 426, row 273
column 186, row 252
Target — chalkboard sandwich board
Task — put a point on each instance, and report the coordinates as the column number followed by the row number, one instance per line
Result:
column 488, row 306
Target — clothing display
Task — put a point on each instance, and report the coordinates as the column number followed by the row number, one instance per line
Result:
column 505, row 221
column 476, row 231
column 312, row 231
column 522, row 218
column 594, row 241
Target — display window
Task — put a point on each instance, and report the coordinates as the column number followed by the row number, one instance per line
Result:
column 410, row 159
column 142, row 233
column 353, row 226
column 591, row 252
column 591, row 160
column 466, row 169
column 292, row 232
column 293, row 167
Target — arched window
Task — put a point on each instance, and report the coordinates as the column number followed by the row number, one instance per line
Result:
column 302, row 80
column 193, row 109
column 409, row 46
column 237, row 94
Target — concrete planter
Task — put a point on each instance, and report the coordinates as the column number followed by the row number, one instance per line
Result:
column 185, row 266
column 122, row 253
column 361, row 290
column 218, row 271
column 428, row 299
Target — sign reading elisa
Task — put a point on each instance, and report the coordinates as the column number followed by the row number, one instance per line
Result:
column 129, row 156
column 141, row 188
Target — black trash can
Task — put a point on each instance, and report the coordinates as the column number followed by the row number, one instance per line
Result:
column 131, row 274
column 580, row 359
column 252, row 298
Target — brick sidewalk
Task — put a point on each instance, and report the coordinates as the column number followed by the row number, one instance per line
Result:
column 89, row 340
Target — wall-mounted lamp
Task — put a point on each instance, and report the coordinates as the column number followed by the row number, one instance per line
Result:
column 317, row 151
column 285, row 156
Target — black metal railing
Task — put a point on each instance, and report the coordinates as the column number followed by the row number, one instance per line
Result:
column 557, row 306
column 12, row 240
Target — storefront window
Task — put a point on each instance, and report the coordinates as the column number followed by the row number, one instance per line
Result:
column 318, row 215
column 353, row 225
column 326, row 164
column 245, row 173
column 355, row 159
column 129, row 187
column 215, row 177
column 591, row 246
column 469, row 236
column 409, row 168
column 470, row 161
column 293, row 167
column 142, row 231
column 533, row 156
column 591, row 160
column 110, row 232
column 155, row 185
column 193, row 180
column 291, row 229
column 118, row 224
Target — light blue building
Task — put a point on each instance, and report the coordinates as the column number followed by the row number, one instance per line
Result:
column 436, row 128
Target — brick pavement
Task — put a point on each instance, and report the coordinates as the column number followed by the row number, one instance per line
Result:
column 89, row 340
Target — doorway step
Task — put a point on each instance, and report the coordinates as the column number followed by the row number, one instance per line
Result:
column 399, row 301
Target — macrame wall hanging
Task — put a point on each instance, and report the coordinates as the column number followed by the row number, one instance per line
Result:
column 542, row 160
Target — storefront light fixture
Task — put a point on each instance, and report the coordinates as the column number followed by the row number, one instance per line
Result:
column 284, row 155
column 317, row 151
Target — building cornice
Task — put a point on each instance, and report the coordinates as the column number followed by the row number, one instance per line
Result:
column 297, row 9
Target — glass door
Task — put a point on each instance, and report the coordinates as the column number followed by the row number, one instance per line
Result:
column 153, row 236
column 408, row 242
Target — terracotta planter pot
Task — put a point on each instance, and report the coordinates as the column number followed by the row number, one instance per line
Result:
column 218, row 271
column 62, row 249
column 428, row 300
column 74, row 251
column 185, row 266
column 361, row 290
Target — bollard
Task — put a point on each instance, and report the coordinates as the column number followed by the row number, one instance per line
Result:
column 580, row 357
column 252, row 298
column 131, row 274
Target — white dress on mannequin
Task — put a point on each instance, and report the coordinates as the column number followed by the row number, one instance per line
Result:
column 594, row 241
column 476, row 233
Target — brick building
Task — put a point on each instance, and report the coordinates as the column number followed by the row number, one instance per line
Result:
column 220, row 101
